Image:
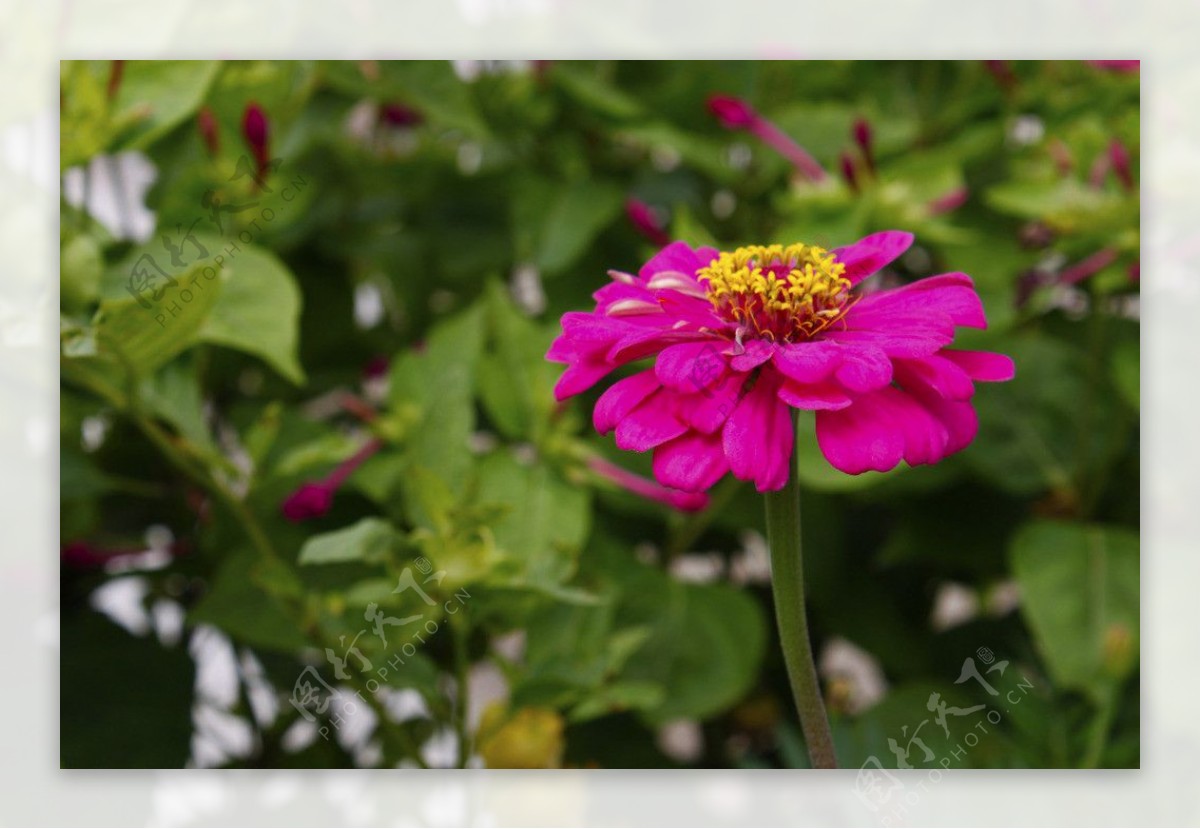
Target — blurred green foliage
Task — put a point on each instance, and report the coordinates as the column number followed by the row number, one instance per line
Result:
column 403, row 207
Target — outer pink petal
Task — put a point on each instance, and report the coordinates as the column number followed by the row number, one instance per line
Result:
column 692, row 462
column 879, row 430
column 690, row 367
column 951, row 294
column 581, row 376
column 677, row 256
column 814, row 395
column 871, row 253
column 936, row 373
column 621, row 398
column 651, row 423
column 758, row 437
column 983, row 365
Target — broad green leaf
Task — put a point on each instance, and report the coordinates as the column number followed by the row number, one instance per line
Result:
column 1080, row 597
column 515, row 380
column 259, row 309
column 575, row 216
column 160, row 94
column 142, row 338
column 370, row 540
column 440, row 383
column 1053, row 424
column 242, row 601
column 705, row 648
column 173, row 393
column 546, row 522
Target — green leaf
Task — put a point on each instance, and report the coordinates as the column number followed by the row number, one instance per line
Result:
column 1127, row 371
column 160, row 94
column 370, row 540
column 258, row 311
column 244, row 603
column 705, row 649
column 515, row 380
column 173, row 393
column 1080, row 597
column 1053, row 424
column 143, row 338
column 546, row 522
column 576, row 215
column 440, row 383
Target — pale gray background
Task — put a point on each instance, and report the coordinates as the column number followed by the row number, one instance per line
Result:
column 34, row 35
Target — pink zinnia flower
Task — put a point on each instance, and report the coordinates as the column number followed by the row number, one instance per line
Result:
column 741, row 338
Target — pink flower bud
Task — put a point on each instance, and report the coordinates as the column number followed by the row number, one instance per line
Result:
column 849, row 173
column 257, row 134
column 1119, row 157
column 733, row 113
column 207, row 123
column 311, row 500
column 643, row 219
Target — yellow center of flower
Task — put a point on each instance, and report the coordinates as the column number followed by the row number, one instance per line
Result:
column 780, row 293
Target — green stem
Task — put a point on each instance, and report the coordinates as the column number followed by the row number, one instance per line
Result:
column 787, row 584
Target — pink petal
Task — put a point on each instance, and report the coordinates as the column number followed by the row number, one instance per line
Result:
column 580, row 377
column 808, row 362
column 899, row 335
column 692, row 462
column 869, row 254
column 759, row 435
column 677, row 256
column 864, row 368
column 983, row 365
column 754, row 354
column 937, row 374
column 690, row 367
column 697, row 313
column 621, row 398
column 652, row 422
column 814, row 395
column 878, row 431
column 708, row 410
column 951, row 294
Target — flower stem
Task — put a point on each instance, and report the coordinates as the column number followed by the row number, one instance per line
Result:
column 787, row 585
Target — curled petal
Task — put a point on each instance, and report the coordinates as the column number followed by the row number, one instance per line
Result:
column 621, row 398
column 692, row 462
column 938, row 375
column 677, row 256
column 651, row 423
column 983, row 365
column 871, row 253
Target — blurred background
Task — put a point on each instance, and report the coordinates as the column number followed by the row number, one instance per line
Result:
column 319, row 507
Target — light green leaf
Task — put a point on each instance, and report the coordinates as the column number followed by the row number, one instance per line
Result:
column 259, row 309
column 575, row 217
column 160, row 94
column 371, row 541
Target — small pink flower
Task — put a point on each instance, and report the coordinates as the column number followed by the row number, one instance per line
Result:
column 948, row 202
column 736, row 114
column 256, row 131
column 741, row 338
column 206, row 122
column 313, row 499
column 642, row 217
